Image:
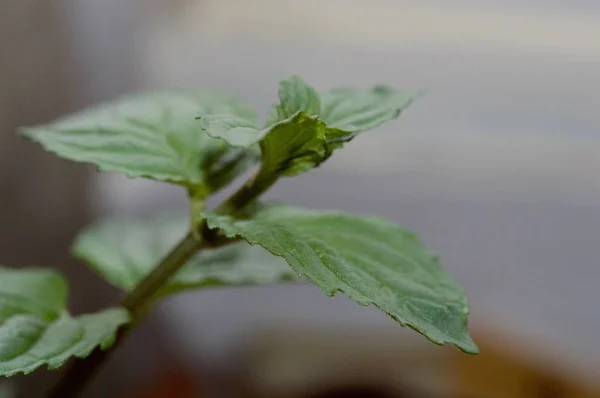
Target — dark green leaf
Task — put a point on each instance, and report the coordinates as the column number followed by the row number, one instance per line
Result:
column 372, row 261
column 36, row 330
column 153, row 135
column 124, row 251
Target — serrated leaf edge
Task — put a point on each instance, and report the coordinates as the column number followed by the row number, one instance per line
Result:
column 60, row 359
column 469, row 346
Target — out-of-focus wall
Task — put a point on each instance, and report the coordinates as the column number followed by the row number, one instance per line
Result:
column 43, row 201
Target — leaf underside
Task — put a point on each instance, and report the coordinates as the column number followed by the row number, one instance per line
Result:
column 124, row 251
column 36, row 330
column 370, row 260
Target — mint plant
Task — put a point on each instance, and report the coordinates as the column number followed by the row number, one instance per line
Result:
column 202, row 141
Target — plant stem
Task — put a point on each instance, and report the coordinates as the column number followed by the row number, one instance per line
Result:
column 74, row 381
column 152, row 283
column 248, row 192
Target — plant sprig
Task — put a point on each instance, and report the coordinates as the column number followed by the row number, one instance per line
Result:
column 203, row 141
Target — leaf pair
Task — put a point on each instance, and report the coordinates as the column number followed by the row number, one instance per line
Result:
column 124, row 251
column 304, row 129
column 155, row 135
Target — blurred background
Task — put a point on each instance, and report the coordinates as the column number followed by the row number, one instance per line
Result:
column 497, row 168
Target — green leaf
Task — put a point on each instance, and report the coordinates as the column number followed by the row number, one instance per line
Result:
column 305, row 129
column 236, row 131
column 294, row 146
column 295, row 95
column 153, row 135
column 35, row 329
column 372, row 261
column 289, row 147
column 355, row 111
column 124, row 251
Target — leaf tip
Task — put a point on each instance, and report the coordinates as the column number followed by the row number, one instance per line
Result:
column 468, row 345
column 28, row 132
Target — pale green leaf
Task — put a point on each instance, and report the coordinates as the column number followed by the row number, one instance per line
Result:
column 372, row 261
column 236, row 131
column 36, row 330
column 272, row 116
column 153, row 135
column 295, row 95
column 124, row 251
column 355, row 110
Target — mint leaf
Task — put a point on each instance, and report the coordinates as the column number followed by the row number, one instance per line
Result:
column 294, row 146
column 355, row 110
column 372, row 261
column 234, row 130
column 153, row 135
column 124, row 251
column 35, row 329
column 304, row 129
column 288, row 147
column 295, row 95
